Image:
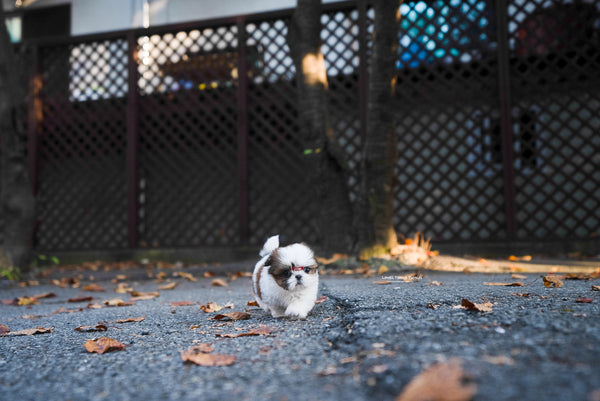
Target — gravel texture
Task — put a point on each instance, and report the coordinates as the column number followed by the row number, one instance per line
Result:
column 365, row 341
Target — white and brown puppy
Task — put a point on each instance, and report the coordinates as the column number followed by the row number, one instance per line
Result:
column 286, row 279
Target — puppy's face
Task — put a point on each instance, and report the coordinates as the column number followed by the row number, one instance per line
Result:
column 293, row 267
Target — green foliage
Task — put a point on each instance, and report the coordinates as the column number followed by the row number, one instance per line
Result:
column 11, row 272
column 45, row 260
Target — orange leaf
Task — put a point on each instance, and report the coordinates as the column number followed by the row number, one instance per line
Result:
column 3, row 330
column 88, row 329
column 219, row 282
column 211, row 307
column 169, row 286
column 552, row 281
column 131, row 319
column 233, row 316
column 382, row 282
column 93, row 288
column 103, row 344
column 252, row 303
column 444, row 381
column 484, row 307
column 321, row 299
column 30, row 332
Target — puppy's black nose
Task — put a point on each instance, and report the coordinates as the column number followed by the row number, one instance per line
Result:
column 298, row 277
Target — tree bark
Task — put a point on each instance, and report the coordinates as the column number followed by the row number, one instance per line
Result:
column 16, row 198
column 376, row 203
column 325, row 161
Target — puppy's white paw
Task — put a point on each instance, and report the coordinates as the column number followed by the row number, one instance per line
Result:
column 296, row 312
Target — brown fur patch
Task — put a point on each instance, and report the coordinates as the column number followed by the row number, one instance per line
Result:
column 280, row 272
column 257, row 289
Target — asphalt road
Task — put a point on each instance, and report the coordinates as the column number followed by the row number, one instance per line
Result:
column 365, row 341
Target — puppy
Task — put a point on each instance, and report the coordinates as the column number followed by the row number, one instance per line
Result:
column 286, row 279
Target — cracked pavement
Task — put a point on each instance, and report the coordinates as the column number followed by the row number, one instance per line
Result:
column 365, row 341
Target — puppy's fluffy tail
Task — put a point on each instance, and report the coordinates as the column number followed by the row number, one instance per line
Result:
column 269, row 246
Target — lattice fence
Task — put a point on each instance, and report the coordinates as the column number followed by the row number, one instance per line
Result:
column 186, row 136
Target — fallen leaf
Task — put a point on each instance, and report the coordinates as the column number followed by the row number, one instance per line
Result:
column 30, row 332
column 584, row 300
column 93, row 288
column 382, row 269
column 229, row 305
column 433, row 306
column 123, row 288
column 434, row 283
column 45, row 295
column 483, row 307
column 3, row 330
column 499, row 360
column 169, row 286
column 143, row 296
column 80, row 299
column 23, row 301
column 209, row 274
column 514, row 258
column 334, row 258
column 131, row 319
column 219, row 282
column 211, row 307
column 187, row 276
column 253, row 303
column 117, row 302
column 321, row 299
column 233, row 316
column 596, row 288
column 382, row 282
column 441, row 382
column 204, row 359
column 525, row 294
column 552, row 281
column 29, row 283
column 519, row 276
column 515, row 284
column 89, row 329
column 103, row 344
column 182, row 303
column 66, row 282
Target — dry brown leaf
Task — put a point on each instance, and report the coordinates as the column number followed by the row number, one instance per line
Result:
column 433, row 306
column 209, row 274
column 143, row 296
column 123, row 288
column 117, row 302
column 596, row 288
column 103, row 344
column 66, row 282
column 253, row 303
column 182, row 303
column 30, row 332
column 499, row 360
column 131, row 319
column 519, row 276
column 521, row 294
column 233, row 316
column 211, row 307
column 552, row 281
column 24, row 301
column 3, row 330
column 382, row 269
column 169, row 286
column 204, row 359
column 483, row 307
column 93, row 288
column 441, row 382
column 229, row 305
column 185, row 275
column 45, row 295
column 80, row 299
column 29, row 283
column 321, row 299
column 261, row 331
column 584, row 300
column 89, row 329
column 382, row 282
column 515, row 284
column 435, row 283
column 219, row 282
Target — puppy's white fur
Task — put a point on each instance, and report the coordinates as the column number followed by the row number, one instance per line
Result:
column 300, row 294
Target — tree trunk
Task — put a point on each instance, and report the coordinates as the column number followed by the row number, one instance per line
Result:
column 16, row 198
column 376, row 204
column 324, row 158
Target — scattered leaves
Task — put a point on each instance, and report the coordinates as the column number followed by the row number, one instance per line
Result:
column 93, row 288
column 89, row 329
column 219, row 282
column 255, row 303
column 211, row 307
column 441, row 382
column 185, row 275
column 169, row 286
column 30, row 332
column 514, row 284
column 552, row 281
column 482, row 307
column 103, row 344
column 233, row 316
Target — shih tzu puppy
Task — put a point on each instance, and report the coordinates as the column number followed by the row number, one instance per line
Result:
column 286, row 279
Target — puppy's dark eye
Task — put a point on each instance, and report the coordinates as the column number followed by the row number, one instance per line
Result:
column 307, row 270
column 287, row 274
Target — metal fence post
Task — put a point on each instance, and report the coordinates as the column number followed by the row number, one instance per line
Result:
column 242, row 128
column 132, row 141
column 505, row 117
